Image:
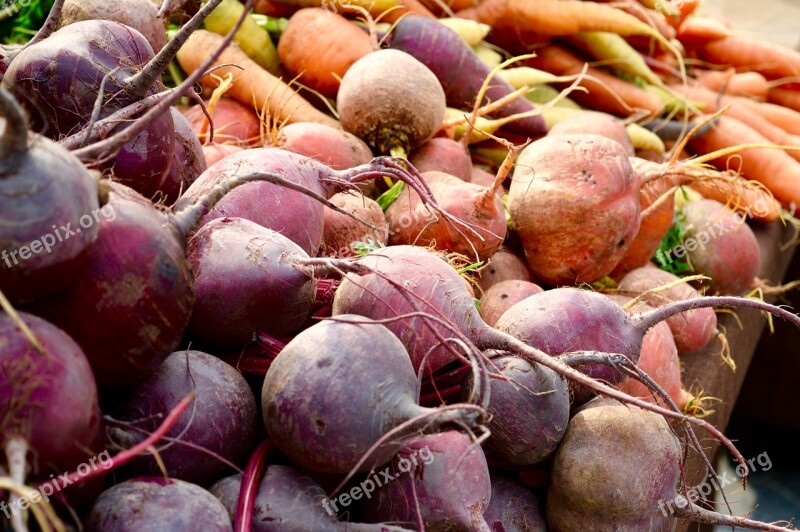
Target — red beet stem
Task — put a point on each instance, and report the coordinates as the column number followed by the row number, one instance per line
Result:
column 249, row 488
column 125, row 456
column 14, row 141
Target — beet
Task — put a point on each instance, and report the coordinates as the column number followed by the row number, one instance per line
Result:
column 138, row 14
column 514, row 508
column 529, row 412
column 289, row 500
column 246, row 283
column 223, row 418
column 188, row 160
column 156, row 503
column 131, row 304
column 317, row 417
column 49, row 397
column 57, row 81
column 48, row 211
column 441, row 480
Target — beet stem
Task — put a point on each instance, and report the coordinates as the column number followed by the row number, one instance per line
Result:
column 141, row 82
column 50, row 25
column 126, row 456
column 645, row 321
column 14, row 142
column 698, row 514
column 116, row 141
column 249, row 488
column 98, row 106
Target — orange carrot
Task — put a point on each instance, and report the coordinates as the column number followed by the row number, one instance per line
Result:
column 322, row 61
column 786, row 97
column 785, row 118
column 602, row 86
column 412, row 7
column 743, row 110
column 747, row 53
column 696, row 31
column 773, row 168
column 252, row 85
column 749, row 84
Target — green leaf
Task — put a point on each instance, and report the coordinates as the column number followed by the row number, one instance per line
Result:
column 363, row 248
column 470, row 267
column 665, row 256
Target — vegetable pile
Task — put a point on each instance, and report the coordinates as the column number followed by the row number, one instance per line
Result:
column 375, row 265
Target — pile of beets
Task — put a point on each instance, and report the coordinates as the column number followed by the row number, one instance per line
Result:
column 188, row 346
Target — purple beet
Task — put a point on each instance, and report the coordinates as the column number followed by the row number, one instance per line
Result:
column 49, row 397
column 131, row 305
column 58, row 79
column 320, row 418
column 460, row 71
column 246, row 283
column 514, row 508
column 529, row 412
column 222, row 419
column 47, row 203
column 289, row 500
column 441, row 480
column 279, row 208
column 157, row 503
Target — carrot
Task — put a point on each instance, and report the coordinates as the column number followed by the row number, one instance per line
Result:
column 322, row 61
column 747, row 53
column 614, row 51
column 698, row 30
column 740, row 195
column 743, row 110
column 748, row 84
column 784, row 117
column 606, row 92
column 253, row 40
column 774, row 169
column 786, row 97
column 251, row 84
column 649, row 15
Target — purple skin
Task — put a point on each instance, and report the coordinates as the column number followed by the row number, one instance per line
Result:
column 315, row 414
column 222, row 419
column 288, row 500
column 131, row 305
column 266, row 204
column 49, row 399
column 157, row 504
column 514, row 508
column 245, row 283
column 188, row 161
column 564, row 320
column 57, row 81
column 460, row 71
column 529, row 413
column 446, row 475
column 443, row 155
column 43, row 189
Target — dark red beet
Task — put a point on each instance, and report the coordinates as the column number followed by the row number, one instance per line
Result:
column 131, row 305
column 57, row 81
column 529, row 412
column 445, row 475
column 222, row 419
column 245, row 283
column 50, row 397
column 315, row 414
column 514, row 508
column 47, row 199
column 157, row 504
column 289, row 500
